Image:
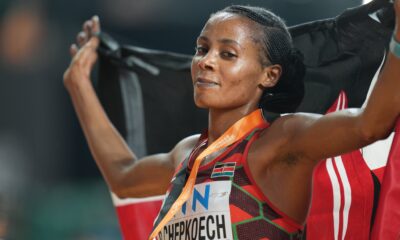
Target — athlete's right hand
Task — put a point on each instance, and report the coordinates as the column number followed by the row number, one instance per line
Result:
column 83, row 53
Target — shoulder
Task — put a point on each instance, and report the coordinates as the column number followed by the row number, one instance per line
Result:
column 276, row 138
column 188, row 142
column 297, row 117
column 289, row 124
column 183, row 148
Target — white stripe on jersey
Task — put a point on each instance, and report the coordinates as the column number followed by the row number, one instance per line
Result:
column 346, row 193
column 336, row 196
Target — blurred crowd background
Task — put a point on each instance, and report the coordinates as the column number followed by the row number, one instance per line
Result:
column 50, row 187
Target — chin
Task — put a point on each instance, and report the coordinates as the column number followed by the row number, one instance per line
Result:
column 201, row 104
column 206, row 101
column 208, row 104
column 202, row 107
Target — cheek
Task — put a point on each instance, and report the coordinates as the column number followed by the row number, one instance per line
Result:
column 243, row 84
column 242, row 67
column 193, row 68
column 242, row 76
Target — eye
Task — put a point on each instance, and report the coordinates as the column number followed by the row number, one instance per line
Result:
column 228, row 55
column 200, row 50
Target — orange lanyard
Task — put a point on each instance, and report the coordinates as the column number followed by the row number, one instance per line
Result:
column 234, row 133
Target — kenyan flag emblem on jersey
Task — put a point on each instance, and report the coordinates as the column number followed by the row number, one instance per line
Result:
column 222, row 169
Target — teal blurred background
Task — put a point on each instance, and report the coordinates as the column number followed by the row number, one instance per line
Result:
column 50, row 187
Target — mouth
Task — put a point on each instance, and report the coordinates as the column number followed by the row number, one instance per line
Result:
column 206, row 83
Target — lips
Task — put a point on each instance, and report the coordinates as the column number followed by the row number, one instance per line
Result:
column 204, row 82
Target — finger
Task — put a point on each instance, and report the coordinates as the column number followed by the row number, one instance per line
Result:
column 81, row 39
column 73, row 49
column 87, row 55
column 87, row 27
column 96, row 25
column 90, row 47
column 93, row 43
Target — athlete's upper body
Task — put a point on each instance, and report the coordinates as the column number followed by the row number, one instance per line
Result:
column 226, row 202
column 240, row 59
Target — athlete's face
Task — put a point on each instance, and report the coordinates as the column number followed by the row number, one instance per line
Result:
column 226, row 69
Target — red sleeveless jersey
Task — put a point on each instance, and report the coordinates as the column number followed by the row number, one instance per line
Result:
column 227, row 203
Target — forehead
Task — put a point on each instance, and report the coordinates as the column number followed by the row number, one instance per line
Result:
column 229, row 26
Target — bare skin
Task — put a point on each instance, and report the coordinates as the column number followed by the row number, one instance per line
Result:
column 228, row 79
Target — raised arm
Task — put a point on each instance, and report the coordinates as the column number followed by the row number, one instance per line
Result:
column 317, row 137
column 124, row 174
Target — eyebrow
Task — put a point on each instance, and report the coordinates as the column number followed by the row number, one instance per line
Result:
column 223, row 40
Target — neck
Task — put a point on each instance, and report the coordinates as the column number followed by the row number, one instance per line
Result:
column 220, row 120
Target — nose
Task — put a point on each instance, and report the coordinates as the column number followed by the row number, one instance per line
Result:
column 207, row 61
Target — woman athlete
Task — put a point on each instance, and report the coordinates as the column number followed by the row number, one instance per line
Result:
column 244, row 58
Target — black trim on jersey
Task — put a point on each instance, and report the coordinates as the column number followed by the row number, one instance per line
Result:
column 178, row 183
column 377, row 190
column 270, row 117
column 304, row 236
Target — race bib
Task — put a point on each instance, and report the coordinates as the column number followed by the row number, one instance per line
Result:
column 205, row 215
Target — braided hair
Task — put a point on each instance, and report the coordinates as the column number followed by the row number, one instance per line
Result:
column 277, row 48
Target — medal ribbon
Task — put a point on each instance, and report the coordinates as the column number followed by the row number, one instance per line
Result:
column 234, row 133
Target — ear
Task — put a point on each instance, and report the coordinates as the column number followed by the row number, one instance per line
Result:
column 271, row 76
